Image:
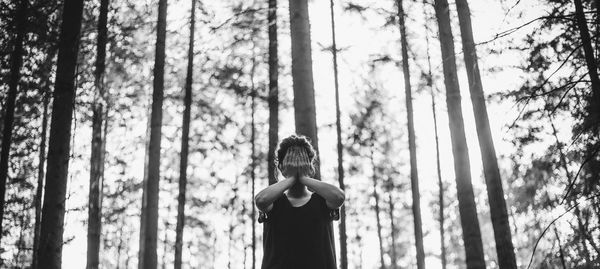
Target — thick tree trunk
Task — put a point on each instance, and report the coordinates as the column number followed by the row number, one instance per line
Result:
column 437, row 146
column 466, row 200
column 340, row 148
column 149, row 226
column 273, row 99
column 376, row 197
column 594, row 117
column 414, row 175
column 97, row 155
column 185, row 134
column 499, row 215
column 302, row 75
column 16, row 61
column 53, row 212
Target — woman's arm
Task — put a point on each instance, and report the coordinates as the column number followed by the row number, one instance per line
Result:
column 333, row 195
column 265, row 198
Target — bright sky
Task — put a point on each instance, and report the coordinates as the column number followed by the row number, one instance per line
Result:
column 362, row 39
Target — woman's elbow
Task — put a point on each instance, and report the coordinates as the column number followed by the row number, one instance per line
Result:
column 340, row 198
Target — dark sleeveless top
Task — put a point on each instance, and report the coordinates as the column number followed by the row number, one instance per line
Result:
column 299, row 237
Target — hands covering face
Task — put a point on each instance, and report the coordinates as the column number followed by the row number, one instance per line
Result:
column 296, row 162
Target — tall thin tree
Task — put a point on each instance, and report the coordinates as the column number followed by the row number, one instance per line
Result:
column 185, row 134
column 97, row 155
column 466, row 198
column 149, row 224
column 338, row 129
column 377, row 209
column 499, row 215
column 302, row 75
column 273, row 99
column 53, row 212
column 414, row 175
column 16, row 61
column 253, row 151
column 437, row 143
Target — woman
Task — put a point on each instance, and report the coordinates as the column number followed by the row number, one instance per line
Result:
column 298, row 232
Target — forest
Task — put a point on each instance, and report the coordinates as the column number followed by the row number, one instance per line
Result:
column 137, row 133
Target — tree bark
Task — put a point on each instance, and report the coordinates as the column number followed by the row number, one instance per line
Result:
column 437, row 146
column 273, row 99
column 185, row 134
column 302, row 75
column 340, row 148
column 16, row 61
column 376, row 197
column 594, row 117
column 414, row 175
column 97, row 154
column 53, row 212
column 466, row 200
column 149, row 229
column 499, row 215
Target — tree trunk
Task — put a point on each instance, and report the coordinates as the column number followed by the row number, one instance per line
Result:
column 340, row 148
column 185, row 134
column 437, row 146
column 394, row 257
column 147, row 259
column 466, row 200
column 560, row 249
column 302, row 75
column 593, row 118
column 273, row 99
column 253, row 155
column 376, row 197
column 414, row 175
column 53, row 212
column 499, row 215
column 97, row 155
column 48, row 63
column 16, row 61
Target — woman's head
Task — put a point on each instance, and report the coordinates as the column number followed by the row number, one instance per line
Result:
column 296, row 151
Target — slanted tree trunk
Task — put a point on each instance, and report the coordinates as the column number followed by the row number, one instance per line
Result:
column 560, row 249
column 149, row 225
column 48, row 63
column 97, row 155
column 593, row 118
column 499, row 215
column 302, row 75
column 16, row 61
column 414, row 175
column 437, row 146
column 273, row 98
column 53, row 212
column 340, row 148
column 376, row 197
column 466, row 200
column 185, row 133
